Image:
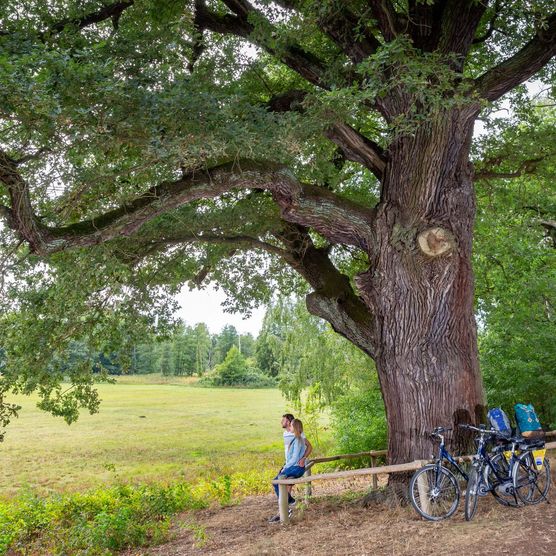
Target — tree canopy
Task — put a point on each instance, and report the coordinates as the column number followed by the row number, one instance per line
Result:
column 150, row 143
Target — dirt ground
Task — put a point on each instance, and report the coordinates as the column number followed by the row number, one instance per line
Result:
column 335, row 523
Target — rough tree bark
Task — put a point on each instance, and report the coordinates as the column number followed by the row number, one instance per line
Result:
column 420, row 286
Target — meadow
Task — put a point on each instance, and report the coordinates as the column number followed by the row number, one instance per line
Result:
column 149, row 429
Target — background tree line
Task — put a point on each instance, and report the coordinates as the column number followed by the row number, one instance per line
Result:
column 188, row 351
column 181, row 351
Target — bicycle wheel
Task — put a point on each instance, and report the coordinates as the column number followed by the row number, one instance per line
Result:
column 499, row 481
column 472, row 494
column 531, row 484
column 434, row 492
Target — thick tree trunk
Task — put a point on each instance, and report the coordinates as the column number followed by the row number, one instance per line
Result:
column 420, row 287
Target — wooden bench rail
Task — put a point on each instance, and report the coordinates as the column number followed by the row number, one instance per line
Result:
column 412, row 466
column 386, row 469
column 370, row 454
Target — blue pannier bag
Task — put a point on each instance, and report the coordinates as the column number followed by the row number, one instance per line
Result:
column 499, row 420
column 527, row 421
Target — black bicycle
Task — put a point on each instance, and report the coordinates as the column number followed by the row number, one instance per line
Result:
column 531, row 472
column 514, row 473
column 434, row 490
column 490, row 473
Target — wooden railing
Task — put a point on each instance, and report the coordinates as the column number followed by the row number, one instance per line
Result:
column 372, row 455
column 308, row 478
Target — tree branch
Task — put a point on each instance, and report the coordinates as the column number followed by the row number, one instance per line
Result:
column 307, row 65
column 548, row 224
column 344, row 28
column 458, row 27
column 337, row 219
column 526, row 167
column 288, row 101
column 333, row 298
column 491, row 24
column 111, row 11
column 550, row 227
column 20, row 216
column 354, row 146
column 425, row 20
column 389, row 22
column 138, row 248
column 219, row 239
column 198, row 46
column 358, row 148
column 342, row 25
column 521, row 66
column 31, row 156
column 294, row 56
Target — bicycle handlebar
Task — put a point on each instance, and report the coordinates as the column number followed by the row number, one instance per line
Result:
column 483, row 430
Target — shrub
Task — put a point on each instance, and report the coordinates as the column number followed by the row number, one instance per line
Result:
column 107, row 520
column 359, row 421
column 236, row 370
column 96, row 522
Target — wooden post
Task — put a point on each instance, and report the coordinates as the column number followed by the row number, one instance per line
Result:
column 308, row 487
column 283, row 503
column 375, row 478
column 423, row 489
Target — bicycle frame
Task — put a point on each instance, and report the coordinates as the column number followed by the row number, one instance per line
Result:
column 482, row 459
column 443, row 454
column 485, row 456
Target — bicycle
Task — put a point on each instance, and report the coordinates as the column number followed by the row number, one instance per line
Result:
column 511, row 476
column 490, row 474
column 434, row 490
column 531, row 472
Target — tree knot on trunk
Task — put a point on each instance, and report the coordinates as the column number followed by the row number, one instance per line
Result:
column 436, row 241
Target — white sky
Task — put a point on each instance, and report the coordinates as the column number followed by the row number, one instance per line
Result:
column 206, row 306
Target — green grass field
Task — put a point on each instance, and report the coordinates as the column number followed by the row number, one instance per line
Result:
column 149, row 428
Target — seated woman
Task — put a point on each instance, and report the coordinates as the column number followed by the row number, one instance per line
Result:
column 295, row 462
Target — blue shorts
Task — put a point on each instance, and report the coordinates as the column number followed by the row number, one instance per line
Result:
column 292, row 472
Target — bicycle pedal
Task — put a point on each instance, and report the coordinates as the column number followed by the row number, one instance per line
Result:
column 483, row 491
column 505, row 489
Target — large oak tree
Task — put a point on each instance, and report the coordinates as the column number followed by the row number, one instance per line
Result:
column 150, row 143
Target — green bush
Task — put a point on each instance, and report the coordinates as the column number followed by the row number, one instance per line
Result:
column 359, row 422
column 517, row 370
column 107, row 520
column 97, row 522
column 236, row 370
